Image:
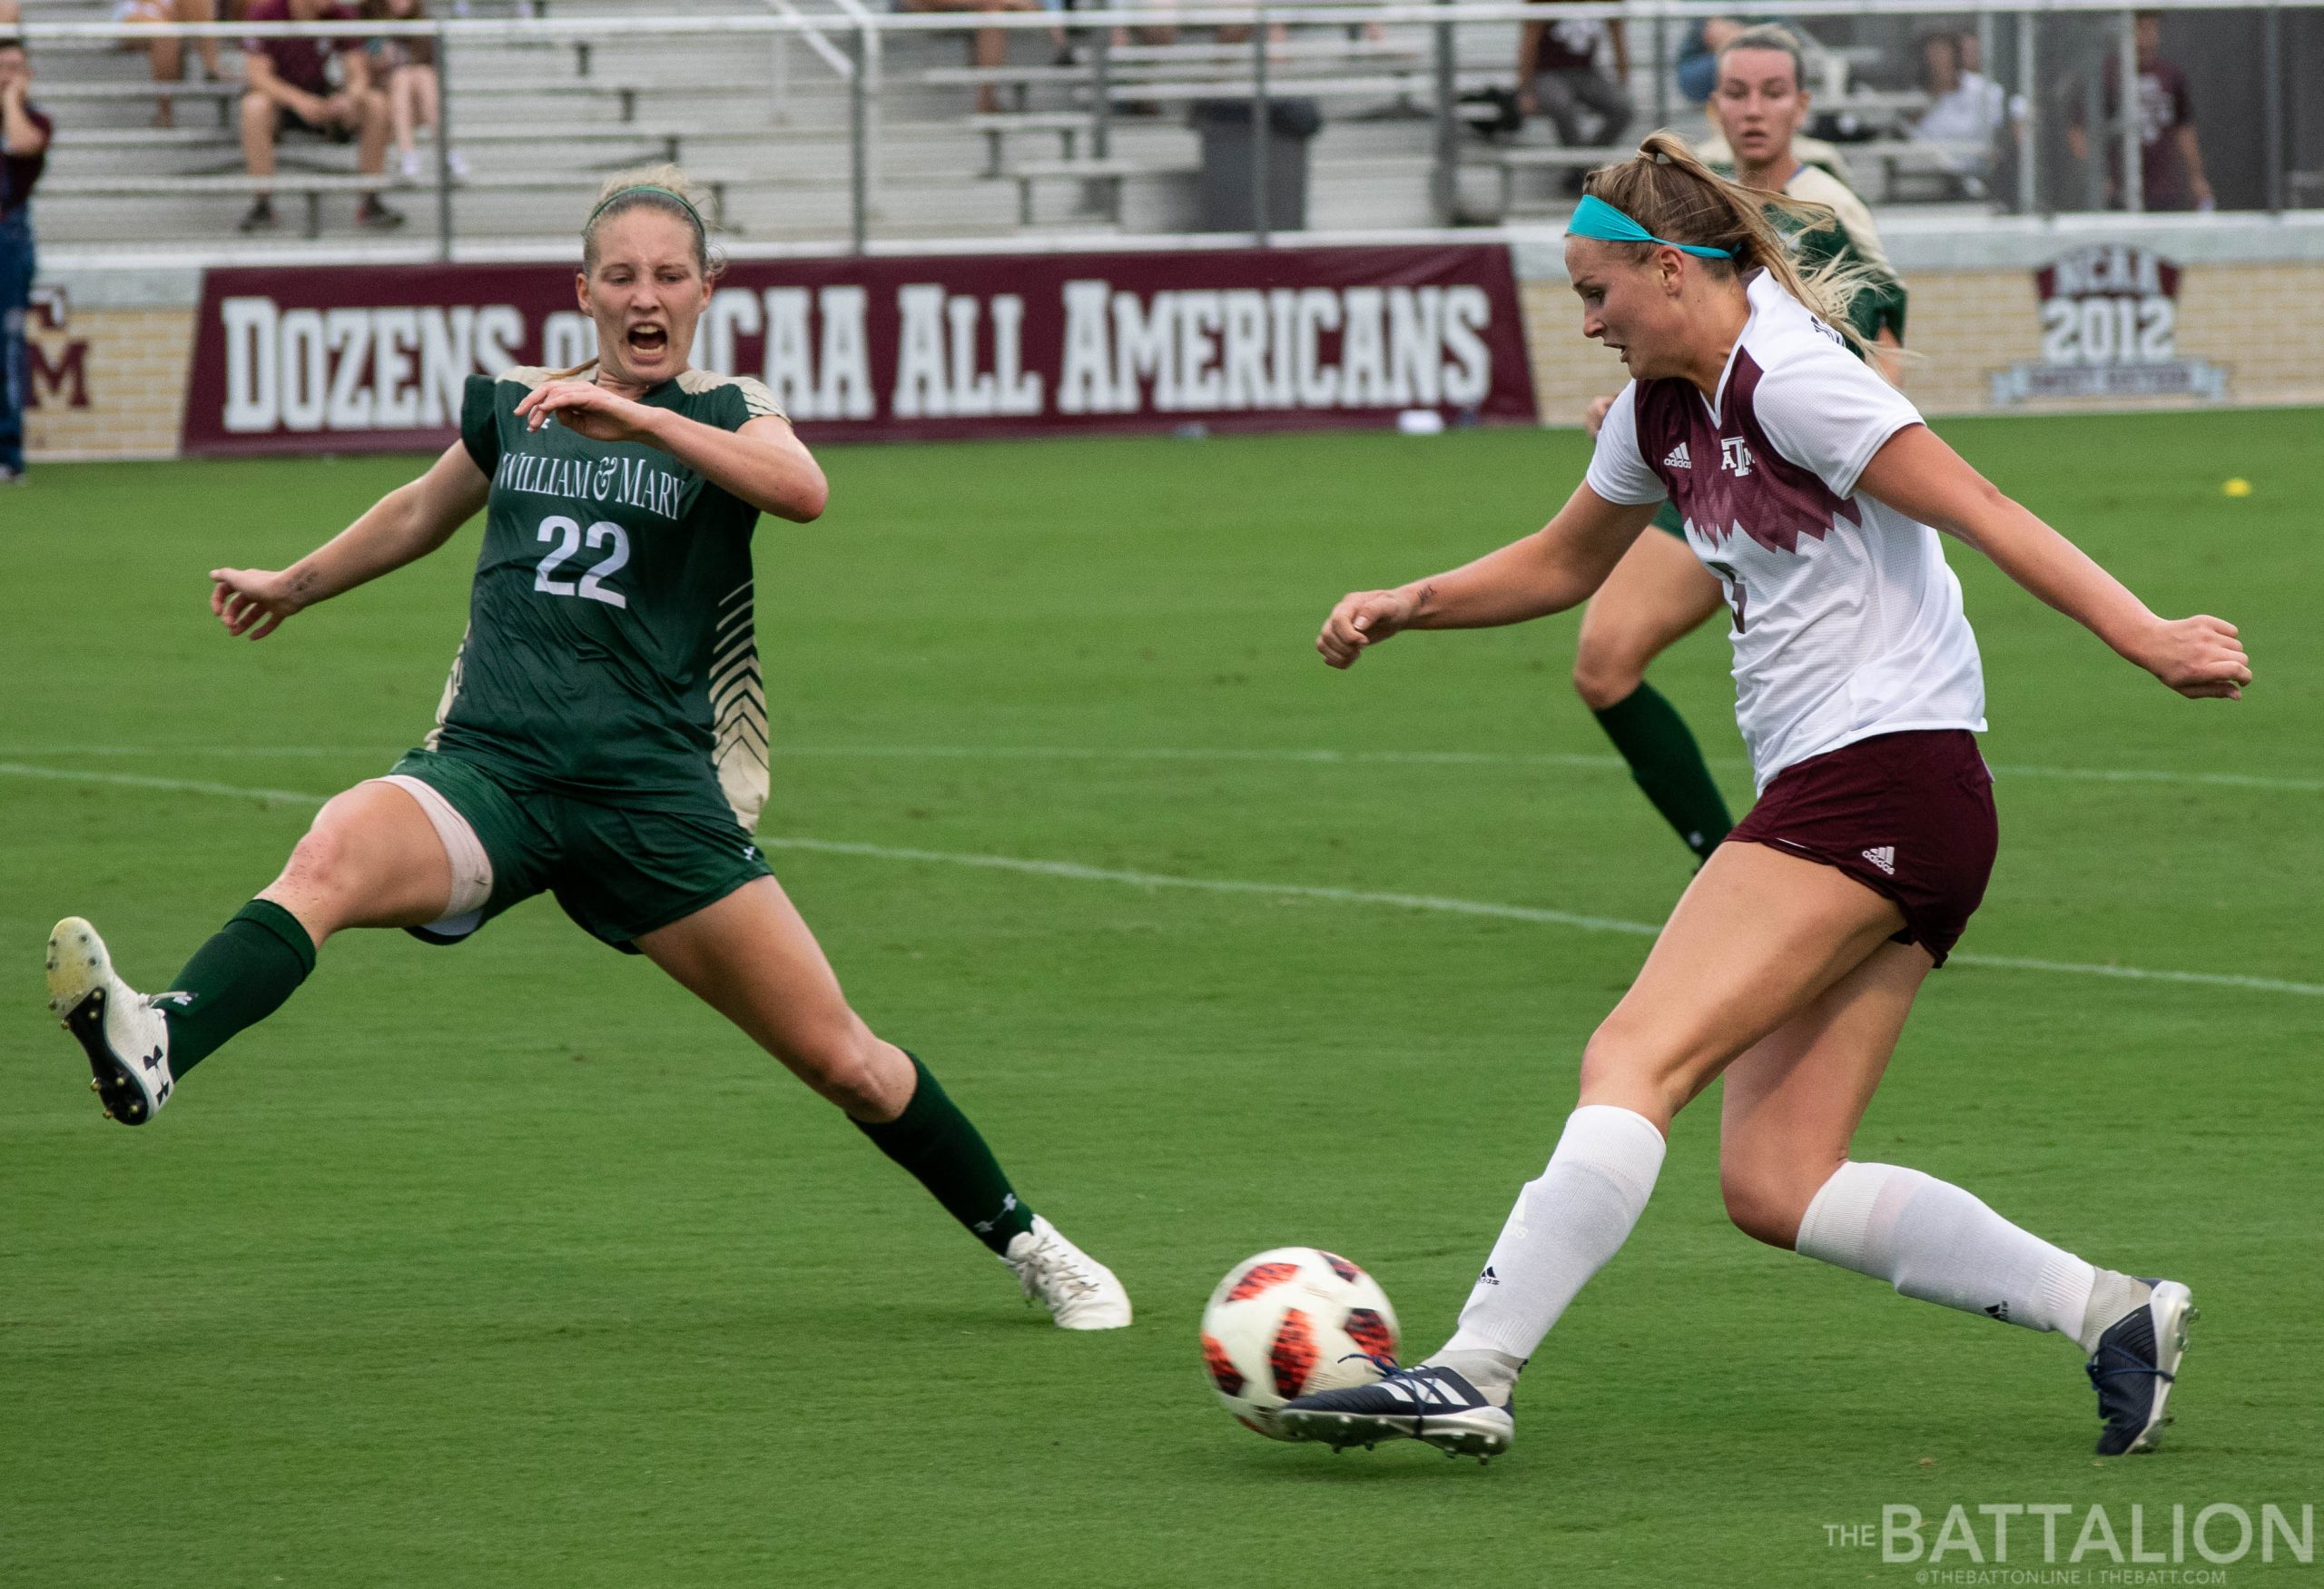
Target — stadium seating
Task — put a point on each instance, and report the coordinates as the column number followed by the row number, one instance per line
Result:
column 766, row 122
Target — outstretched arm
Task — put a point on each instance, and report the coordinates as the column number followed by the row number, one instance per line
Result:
column 1557, row 566
column 1916, row 473
column 402, row 527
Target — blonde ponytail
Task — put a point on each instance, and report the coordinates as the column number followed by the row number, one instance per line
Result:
column 1666, row 188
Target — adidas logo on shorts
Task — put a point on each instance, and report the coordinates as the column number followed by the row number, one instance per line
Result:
column 1883, row 857
column 1678, row 459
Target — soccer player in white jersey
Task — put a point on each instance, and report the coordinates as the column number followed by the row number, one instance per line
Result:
column 1815, row 493
column 1660, row 593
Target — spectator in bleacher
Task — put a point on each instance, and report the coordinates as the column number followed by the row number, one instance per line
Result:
column 415, row 95
column 1698, row 55
column 291, row 87
column 1966, row 108
column 168, row 54
column 987, row 47
column 1557, row 76
column 23, row 150
column 2171, row 158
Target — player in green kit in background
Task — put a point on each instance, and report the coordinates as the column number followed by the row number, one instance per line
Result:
column 1660, row 592
column 602, row 738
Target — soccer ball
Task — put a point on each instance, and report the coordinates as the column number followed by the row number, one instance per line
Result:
column 1291, row 1320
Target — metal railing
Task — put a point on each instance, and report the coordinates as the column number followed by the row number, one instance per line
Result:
column 2094, row 37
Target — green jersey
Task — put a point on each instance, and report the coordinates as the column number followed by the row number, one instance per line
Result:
column 610, row 653
column 1880, row 304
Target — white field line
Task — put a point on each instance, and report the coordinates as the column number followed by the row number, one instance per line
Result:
column 176, row 785
column 1357, row 896
column 1075, row 871
column 1320, row 758
column 1473, row 758
column 1468, row 907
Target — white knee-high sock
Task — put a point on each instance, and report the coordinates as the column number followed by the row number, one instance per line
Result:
column 1564, row 1228
column 1932, row 1240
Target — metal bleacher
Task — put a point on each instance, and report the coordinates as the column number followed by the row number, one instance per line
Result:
column 765, row 119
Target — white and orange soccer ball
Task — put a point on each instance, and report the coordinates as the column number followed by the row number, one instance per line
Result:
column 1291, row 1320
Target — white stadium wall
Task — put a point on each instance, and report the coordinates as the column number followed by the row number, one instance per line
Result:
column 2090, row 313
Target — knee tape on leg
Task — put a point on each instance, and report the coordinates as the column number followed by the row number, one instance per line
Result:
column 471, row 867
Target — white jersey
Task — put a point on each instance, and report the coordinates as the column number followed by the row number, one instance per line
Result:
column 1847, row 622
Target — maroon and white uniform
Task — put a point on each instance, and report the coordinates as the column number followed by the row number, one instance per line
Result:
column 1847, row 623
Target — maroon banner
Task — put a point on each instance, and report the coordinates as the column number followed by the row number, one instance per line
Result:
column 373, row 358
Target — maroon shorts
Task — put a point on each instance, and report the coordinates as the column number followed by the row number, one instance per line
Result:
column 1908, row 815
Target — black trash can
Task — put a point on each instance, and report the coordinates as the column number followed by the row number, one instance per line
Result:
column 1226, row 133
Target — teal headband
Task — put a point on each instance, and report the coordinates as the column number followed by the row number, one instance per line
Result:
column 648, row 188
column 1596, row 218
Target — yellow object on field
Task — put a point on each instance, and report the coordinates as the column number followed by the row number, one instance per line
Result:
column 2238, row 487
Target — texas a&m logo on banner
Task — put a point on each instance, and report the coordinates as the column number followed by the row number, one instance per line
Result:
column 2110, row 324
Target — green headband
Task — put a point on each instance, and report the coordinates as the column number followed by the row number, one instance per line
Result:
column 1596, row 218
column 649, row 188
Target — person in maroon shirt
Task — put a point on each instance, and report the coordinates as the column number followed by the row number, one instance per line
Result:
column 23, row 150
column 1557, row 76
column 2171, row 157
column 290, row 85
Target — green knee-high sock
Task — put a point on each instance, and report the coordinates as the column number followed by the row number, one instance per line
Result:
column 1668, row 765
column 237, row 978
column 934, row 1140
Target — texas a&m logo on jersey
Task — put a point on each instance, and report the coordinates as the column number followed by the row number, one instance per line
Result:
column 1755, row 493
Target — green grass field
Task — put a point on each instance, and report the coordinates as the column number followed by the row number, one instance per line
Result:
column 512, row 1266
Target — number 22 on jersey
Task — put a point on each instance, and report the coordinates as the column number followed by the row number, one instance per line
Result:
column 569, row 538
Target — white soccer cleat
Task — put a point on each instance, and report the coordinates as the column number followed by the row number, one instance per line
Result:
column 1080, row 1292
column 125, row 1037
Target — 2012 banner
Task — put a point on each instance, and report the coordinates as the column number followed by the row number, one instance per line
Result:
column 373, row 358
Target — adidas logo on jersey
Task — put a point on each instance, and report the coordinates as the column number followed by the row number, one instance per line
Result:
column 1488, row 1278
column 1883, row 857
column 1678, row 459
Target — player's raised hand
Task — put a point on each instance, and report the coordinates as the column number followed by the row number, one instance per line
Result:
column 251, row 601
column 2199, row 656
column 586, row 409
column 1363, row 618
column 1595, row 417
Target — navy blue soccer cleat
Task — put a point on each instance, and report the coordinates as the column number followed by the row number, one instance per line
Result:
column 1434, row 1406
column 2135, row 1366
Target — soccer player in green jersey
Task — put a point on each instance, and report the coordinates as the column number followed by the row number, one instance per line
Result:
column 603, row 735
column 1660, row 592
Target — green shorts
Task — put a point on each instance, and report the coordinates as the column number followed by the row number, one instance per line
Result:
column 617, row 872
column 1667, row 521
